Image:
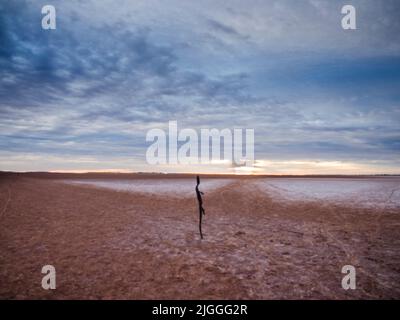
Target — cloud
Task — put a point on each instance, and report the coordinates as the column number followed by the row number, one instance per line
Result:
column 111, row 71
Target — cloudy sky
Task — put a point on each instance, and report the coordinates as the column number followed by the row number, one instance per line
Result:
column 82, row 97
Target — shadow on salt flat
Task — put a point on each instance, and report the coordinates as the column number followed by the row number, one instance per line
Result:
column 170, row 187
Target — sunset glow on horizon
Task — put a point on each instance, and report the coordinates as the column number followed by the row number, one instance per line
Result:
column 82, row 97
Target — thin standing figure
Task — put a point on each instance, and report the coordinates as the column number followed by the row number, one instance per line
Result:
column 201, row 209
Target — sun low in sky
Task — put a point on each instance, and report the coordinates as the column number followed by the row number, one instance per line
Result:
column 82, row 96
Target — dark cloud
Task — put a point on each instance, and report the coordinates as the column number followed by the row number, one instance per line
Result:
column 225, row 29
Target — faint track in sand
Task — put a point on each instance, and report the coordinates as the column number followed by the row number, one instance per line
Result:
column 7, row 202
column 274, row 255
column 378, row 230
column 379, row 217
column 351, row 255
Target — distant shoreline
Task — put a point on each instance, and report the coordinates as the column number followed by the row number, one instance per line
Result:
column 150, row 175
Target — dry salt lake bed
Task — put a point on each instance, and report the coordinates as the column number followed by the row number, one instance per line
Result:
column 121, row 236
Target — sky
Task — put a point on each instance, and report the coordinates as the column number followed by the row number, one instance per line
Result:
column 321, row 100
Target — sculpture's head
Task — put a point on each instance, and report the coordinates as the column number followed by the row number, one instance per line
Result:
column 198, row 180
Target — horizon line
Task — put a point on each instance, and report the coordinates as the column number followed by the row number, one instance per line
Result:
column 195, row 173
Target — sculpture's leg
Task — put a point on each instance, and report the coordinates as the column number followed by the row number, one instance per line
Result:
column 200, row 220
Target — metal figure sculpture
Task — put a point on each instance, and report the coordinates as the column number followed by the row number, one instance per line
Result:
column 201, row 209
